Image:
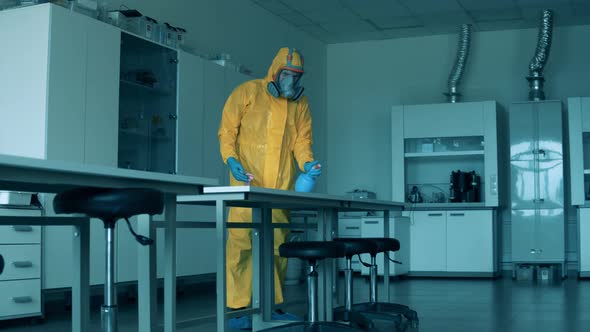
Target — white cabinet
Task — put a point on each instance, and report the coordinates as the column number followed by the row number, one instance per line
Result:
column 470, row 241
column 60, row 83
column 431, row 141
column 190, row 114
column 427, row 241
column 20, row 276
column 584, row 249
column 399, row 228
column 452, row 241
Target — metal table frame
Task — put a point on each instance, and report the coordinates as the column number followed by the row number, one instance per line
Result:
column 48, row 176
column 262, row 201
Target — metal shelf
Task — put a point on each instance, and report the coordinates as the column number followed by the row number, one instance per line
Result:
column 146, row 88
column 443, row 154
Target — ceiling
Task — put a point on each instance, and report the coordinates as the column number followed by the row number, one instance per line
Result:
column 338, row 21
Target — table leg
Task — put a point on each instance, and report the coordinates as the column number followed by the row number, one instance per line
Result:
column 386, row 263
column 146, row 276
column 220, row 232
column 170, row 264
column 330, row 222
column 81, row 277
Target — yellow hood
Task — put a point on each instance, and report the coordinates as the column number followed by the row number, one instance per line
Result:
column 286, row 58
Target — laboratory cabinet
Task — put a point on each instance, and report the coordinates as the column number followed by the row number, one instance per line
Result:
column 430, row 142
column 578, row 120
column 536, row 183
column 21, row 254
column 80, row 90
column 453, row 242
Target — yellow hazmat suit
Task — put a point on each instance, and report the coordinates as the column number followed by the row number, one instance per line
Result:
column 266, row 134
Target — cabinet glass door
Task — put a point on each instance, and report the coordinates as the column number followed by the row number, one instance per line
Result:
column 522, row 131
column 147, row 106
column 550, row 138
column 550, row 180
column 523, row 179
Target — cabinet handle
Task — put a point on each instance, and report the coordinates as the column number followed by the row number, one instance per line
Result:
column 435, row 214
column 533, row 251
column 1, row 264
column 22, row 299
column 371, row 222
column 539, row 200
column 457, row 214
column 22, row 264
column 352, row 227
column 22, row 228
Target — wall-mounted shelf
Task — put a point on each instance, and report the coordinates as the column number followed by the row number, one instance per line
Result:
column 587, row 171
column 443, row 154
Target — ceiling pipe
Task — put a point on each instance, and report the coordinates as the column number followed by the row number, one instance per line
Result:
column 537, row 64
column 462, row 54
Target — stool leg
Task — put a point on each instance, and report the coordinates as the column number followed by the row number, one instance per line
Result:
column 312, row 292
column 348, row 276
column 373, row 273
column 109, row 308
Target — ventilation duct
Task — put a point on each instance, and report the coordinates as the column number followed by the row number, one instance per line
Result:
column 462, row 53
column 539, row 60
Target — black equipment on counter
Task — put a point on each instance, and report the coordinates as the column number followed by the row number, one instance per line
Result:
column 465, row 187
column 415, row 196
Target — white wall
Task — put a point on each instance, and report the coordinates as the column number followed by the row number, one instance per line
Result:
column 252, row 36
column 366, row 78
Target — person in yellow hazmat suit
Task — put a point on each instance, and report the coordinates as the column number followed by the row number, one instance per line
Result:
column 265, row 133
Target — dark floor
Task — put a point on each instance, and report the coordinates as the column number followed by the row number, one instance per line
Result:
column 457, row 305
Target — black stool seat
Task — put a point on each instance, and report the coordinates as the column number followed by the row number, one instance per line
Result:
column 109, row 204
column 355, row 246
column 312, row 250
column 384, row 244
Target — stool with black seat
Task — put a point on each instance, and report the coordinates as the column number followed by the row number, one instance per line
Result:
column 312, row 251
column 374, row 308
column 110, row 205
column 347, row 313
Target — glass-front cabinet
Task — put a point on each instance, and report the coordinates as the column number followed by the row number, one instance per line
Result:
column 578, row 116
column 147, row 105
column 450, row 160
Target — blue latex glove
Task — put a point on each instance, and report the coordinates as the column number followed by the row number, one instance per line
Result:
column 313, row 168
column 237, row 170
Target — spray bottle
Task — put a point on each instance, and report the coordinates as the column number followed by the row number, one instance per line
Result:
column 306, row 182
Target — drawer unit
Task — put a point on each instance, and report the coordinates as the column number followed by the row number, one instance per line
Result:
column 20, row 279
column 20, row 234
column 21, row 261
column 20, row 298
column 349, row 227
